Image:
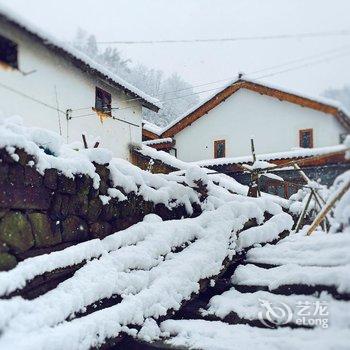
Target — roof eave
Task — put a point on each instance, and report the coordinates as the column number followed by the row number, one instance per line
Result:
column 80, row 63
column 342, row 117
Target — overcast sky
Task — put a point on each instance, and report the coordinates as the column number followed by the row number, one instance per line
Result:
column 192, row 19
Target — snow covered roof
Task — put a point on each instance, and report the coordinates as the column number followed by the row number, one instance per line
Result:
column 297, row 153
column 208, row 163
column 158, row 141
column 78, row 58
column 151, row 128
column 321, row 104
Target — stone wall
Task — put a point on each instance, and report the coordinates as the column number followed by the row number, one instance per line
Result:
column 156, row 166
column 43, row 213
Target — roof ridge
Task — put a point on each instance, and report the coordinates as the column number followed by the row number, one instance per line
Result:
column 337, row 109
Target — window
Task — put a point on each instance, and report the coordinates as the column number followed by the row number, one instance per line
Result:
column 8, row 52
column 219, row 149
column 342, row 137
column 103, row 101
column 306, row 138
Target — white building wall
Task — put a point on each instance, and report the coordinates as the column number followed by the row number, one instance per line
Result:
column 54, row 76
column 274, row 124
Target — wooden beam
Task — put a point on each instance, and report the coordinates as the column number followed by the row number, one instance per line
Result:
column 320, row 217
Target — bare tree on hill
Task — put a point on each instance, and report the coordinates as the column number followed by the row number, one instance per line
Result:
column 176, row 94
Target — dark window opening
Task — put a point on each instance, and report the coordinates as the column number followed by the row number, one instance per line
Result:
column 219, row 149
column 342, row 137
column 103, row 101
column 8, row 52
column 306, row 138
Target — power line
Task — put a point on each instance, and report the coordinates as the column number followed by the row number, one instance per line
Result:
column 113, row 117
column 221, row 87
column 31, row 98
column 323, row 53
column 301, row 59
column 257, row 78
column 306, row 65
column 344, row 32
column 342, row 54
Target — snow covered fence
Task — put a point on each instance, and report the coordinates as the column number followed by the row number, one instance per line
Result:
column 53, row 195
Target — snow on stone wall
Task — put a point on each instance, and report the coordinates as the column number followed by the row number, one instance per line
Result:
column 110, row 268
column 70, row 196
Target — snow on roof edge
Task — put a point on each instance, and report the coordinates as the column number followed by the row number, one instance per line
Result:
column 192, row 109
column 49, row 40
column 296, row 153
column 155, row 129
column 157, row 141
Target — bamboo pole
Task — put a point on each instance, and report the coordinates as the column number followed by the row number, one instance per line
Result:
column 315, row 194
column 327, row 208
column 326, row 220
column 302, row 215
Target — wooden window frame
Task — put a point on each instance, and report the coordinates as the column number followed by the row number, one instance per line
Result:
column 9, row 50
column 301, row 132
column 99, row 90
column 216, row 146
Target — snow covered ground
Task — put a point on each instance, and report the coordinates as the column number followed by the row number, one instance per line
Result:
column 308, row 265
column 237, row 313
column 211, row 335
column 132, row 280
column 139, row 264
column 147, row 270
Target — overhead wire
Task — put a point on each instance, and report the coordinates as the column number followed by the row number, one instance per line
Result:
column 319, row 55
column 317, row 61
column 31, row 98
column 221, row 87
column 343, row 32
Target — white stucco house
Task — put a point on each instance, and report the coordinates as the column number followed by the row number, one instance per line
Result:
column 53, row 86
column 223, row 124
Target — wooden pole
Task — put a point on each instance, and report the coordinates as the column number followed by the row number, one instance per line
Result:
column 84, row 141
column 326, row 221
column 315, row 194
column 254, row 185
column 302, row 215
column 301, row 172
column 327, row 208
column 253, row 149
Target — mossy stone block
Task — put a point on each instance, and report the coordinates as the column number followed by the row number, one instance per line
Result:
column 74, row 229
column 7, row 261
column 44, row 234
column 3, row 247
column 100, row 230
column 95, row 209
column 66, row 185
column 4, row 170
column 16, row 231
column 50, row 179
column 84, row 183
column 32, row 177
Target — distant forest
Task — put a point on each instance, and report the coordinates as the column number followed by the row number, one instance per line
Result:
column 152, row 81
